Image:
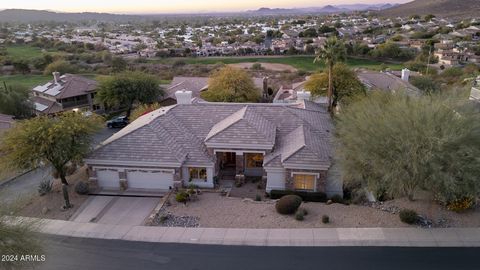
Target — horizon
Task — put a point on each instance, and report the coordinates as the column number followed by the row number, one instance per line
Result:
column 147, row 7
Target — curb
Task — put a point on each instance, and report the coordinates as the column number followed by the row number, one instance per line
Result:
column 11, row 179
column 311, row 237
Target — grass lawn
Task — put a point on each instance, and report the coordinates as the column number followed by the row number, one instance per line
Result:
column 299, row 62
column 29, row 81
column 23, row 52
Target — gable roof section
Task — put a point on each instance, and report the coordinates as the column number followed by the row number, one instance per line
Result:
column 242, row 129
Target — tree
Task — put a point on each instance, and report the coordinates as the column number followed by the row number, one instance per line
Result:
column 17, row 237
column 119, row 64
column 127, row 88
column 345, row 84
column 59, row 142
column 332, row 52
column 395, row 144
column 427, row 84
column 14, row 100
column 21, row 66
column 59, row 66
column 231, row 85
column 144, row 109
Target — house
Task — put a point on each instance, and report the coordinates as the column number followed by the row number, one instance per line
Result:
column 66, row 92
column 204, row 144
column 387, row 81
column 196, row 85
column 6, row 122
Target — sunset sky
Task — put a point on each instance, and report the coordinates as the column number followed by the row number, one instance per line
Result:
column 163, row 6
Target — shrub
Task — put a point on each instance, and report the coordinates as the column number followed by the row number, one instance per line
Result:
column 288, row 204
column 325, row 219
column 299, row 215
column 82, row 188
column 45, row 187
column 461, row 204
column 408, row 216
column 258, row 198
column 306, row 196
column 182, row 196
column 337, row 199
column 257, row 66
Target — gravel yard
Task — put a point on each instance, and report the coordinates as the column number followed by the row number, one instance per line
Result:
column 213, row 210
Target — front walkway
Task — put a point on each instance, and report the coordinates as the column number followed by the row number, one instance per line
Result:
column 408, row 237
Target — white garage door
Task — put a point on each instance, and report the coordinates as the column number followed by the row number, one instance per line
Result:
column 108, row 179
column 150, row 180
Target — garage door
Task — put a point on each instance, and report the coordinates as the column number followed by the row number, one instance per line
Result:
column 150, row 180
column 108, row 179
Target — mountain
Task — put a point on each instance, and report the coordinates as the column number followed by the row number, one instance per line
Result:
column 26, row 15
column 442, row 8
column 329, row 9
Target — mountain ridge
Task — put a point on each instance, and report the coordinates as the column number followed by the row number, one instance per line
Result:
column 442, row 8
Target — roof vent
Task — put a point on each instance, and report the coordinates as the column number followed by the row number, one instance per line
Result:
column 405, row 74
column 184, row 97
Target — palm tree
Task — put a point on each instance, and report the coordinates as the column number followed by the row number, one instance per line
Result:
column 332, row 52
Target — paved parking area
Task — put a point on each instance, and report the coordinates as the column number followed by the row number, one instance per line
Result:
column 116, row 210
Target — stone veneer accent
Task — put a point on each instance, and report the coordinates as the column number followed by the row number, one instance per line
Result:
column 321, row 180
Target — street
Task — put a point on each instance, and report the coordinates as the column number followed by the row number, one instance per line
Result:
column 81, row 253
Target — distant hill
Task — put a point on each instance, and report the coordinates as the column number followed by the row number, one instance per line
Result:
column 26, row 15
column 322, row 10
column 442, row 8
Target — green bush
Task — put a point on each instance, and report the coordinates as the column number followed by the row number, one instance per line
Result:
column 288, row 204
column 45, row 187
column 82, row 188
column 306, row 196
column 299, row 215
column 182, row 196
column 408, row 216
column 325, row 219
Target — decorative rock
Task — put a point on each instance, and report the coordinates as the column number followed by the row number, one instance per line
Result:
column 45, row 210
column 329, row 202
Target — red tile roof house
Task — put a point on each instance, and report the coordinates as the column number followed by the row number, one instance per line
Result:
column 197, row 142
column 64, row 93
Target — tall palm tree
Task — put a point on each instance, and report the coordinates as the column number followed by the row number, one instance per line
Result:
column 332, row 52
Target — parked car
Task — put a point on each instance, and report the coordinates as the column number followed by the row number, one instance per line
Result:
column 117, row 122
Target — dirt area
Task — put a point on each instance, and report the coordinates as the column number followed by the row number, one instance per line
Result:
column 53, row 201
column 214, row 210
column 268, row 66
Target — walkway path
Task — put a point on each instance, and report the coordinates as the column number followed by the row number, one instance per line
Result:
column 408, row 237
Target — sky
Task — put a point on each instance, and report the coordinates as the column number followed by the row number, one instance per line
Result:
column 172, row 6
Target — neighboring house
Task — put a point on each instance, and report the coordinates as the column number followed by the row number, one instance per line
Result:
column 66, row 92
column 203, row 143
column 197, row 85
column 387, row 81
column 6, row 122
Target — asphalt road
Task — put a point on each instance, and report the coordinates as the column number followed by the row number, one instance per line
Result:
column 27, row 184
column 81, row 253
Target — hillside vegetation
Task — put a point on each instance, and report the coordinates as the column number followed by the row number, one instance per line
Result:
column 443, row 8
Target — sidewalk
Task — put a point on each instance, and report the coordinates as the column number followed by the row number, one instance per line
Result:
column 405, row 237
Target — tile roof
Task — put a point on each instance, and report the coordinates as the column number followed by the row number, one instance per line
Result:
column 182, row 132
column 387, row 82
column 69, row 85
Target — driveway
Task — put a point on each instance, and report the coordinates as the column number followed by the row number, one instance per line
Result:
column 116, row 210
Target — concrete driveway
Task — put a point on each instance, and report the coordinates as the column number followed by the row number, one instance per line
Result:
column 116, row 210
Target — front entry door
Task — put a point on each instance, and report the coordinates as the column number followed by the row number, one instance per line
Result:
column 230, row 159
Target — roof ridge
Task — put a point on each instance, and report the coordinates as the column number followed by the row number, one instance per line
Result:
column 213, row 131
column 303, row 144
column 175, row 153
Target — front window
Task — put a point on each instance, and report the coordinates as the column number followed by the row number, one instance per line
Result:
column 254, row 160
column 198, row 174
column 304, row 182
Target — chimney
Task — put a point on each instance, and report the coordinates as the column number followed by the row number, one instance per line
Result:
column 184, row 97
column 405, row 74
column 56, row 76
column 303, row 95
